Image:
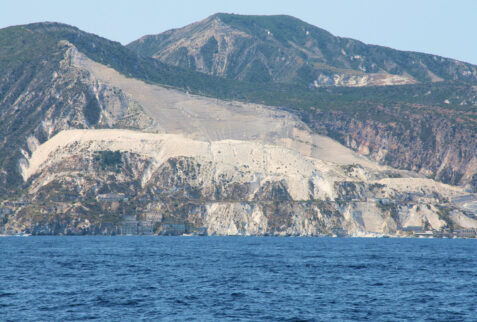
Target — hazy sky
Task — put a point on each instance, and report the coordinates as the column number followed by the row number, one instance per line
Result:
column 447, row 28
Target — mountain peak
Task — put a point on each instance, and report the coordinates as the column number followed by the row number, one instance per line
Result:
column 46, row 27
column 285, row 49
column 227, row 15
column 282, row 26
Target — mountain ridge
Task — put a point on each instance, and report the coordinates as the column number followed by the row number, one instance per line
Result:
column 313, row 55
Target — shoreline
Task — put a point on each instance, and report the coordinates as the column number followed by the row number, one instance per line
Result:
column 244, row 236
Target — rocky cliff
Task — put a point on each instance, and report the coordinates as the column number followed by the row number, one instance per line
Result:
column 226, row 187
column 427, row 142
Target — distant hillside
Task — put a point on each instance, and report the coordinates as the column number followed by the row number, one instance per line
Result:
column 287, row 50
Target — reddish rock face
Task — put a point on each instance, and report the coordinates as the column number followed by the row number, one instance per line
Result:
column 428, row 142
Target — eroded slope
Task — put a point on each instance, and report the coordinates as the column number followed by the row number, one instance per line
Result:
column 211, row 119
column 228, row 187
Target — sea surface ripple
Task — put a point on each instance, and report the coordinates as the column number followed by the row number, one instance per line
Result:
column 237, row 278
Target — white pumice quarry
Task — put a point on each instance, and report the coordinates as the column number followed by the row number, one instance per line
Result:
column 196, row 164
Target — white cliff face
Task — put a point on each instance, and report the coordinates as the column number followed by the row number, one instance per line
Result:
column 235, row 219
column 244, row 162
column 360, row 80
column 262, row 173
column 414, row 216
column 463, row 221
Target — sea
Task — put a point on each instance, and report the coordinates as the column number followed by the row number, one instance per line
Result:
column 237, row 279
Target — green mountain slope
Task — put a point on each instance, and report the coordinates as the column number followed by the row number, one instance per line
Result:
column 287, row 50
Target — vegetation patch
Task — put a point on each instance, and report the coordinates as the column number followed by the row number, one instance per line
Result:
column 109, row 160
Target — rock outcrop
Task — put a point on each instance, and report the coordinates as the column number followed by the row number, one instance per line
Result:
column 425, row 142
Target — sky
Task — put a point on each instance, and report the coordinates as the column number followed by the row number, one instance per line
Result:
column 446, row 28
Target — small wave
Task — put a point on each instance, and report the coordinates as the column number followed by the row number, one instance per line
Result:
column 178, row 301
column 357, row 266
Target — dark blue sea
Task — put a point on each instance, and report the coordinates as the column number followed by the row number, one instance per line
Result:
column 237, row 278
